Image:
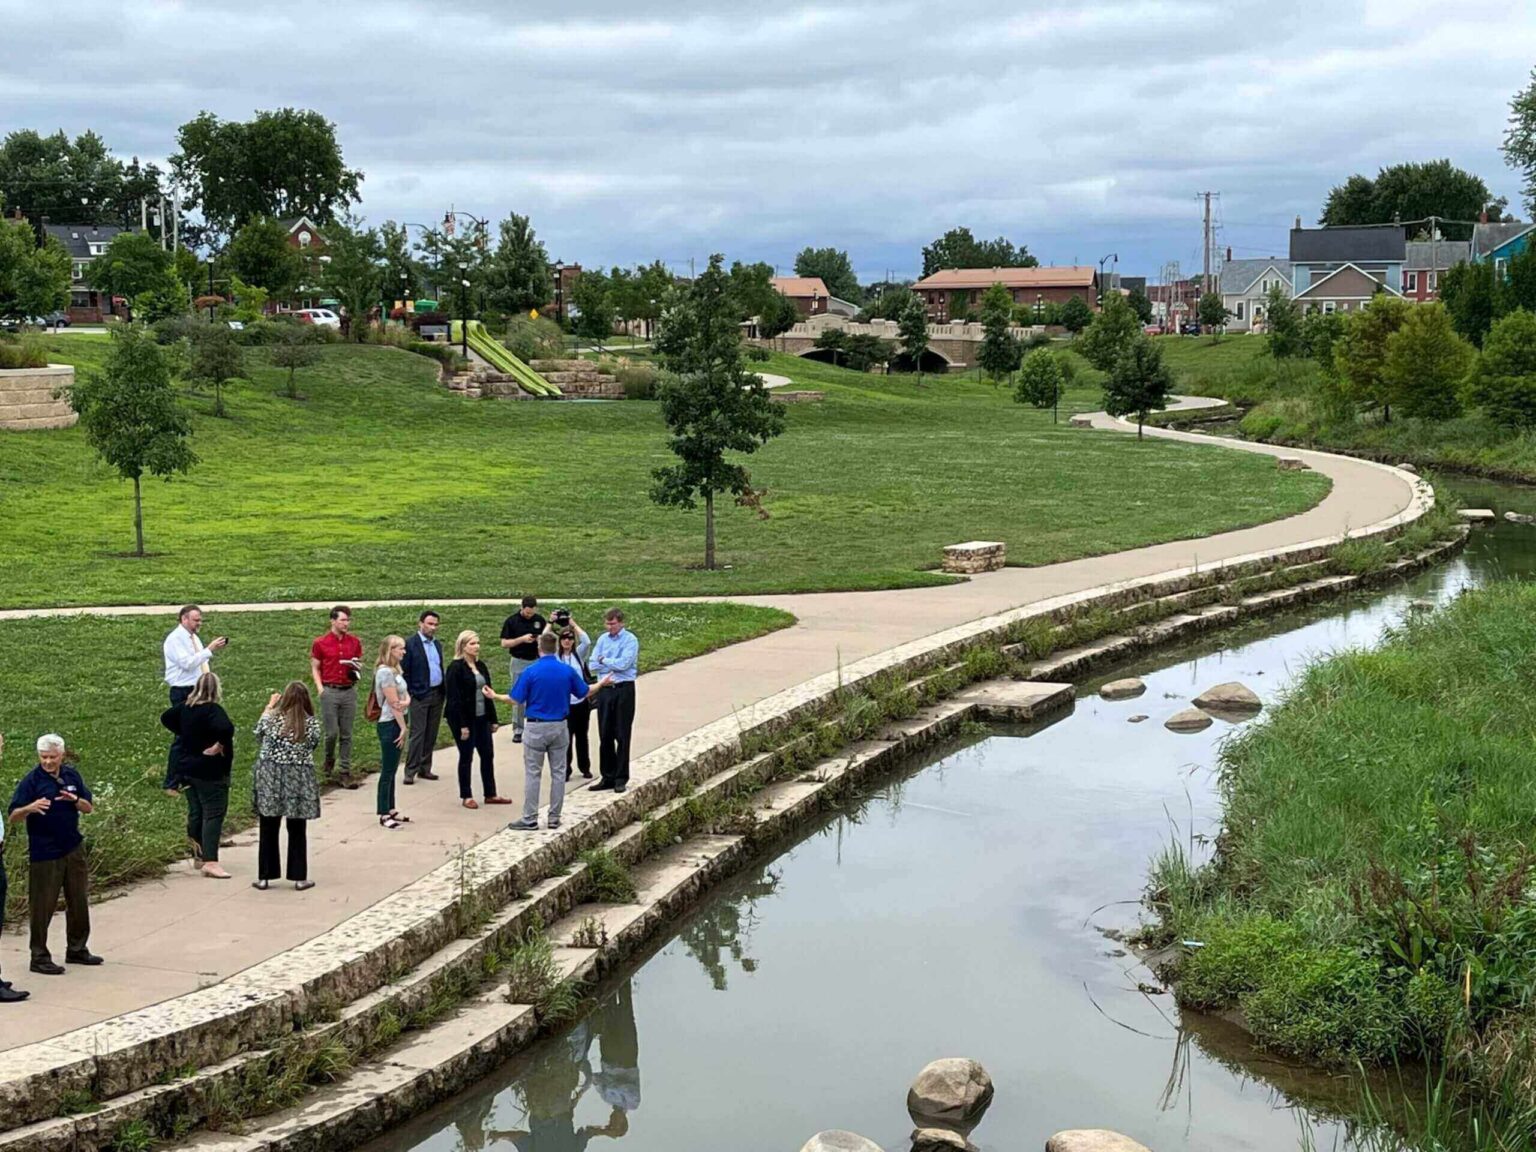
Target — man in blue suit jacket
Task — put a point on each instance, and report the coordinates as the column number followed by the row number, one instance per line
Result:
column 422, row 668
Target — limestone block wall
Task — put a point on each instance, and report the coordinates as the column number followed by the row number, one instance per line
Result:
column 27, row 401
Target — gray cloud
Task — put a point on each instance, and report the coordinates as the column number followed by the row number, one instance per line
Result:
column 632, row 132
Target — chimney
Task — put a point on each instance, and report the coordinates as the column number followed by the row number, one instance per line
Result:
column 1482, row 217
column 1229, row 253
column 1297, row 226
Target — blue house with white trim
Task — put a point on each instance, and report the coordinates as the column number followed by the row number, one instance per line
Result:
column 1497, row 243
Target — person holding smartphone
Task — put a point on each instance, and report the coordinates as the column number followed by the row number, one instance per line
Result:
column 186, row 658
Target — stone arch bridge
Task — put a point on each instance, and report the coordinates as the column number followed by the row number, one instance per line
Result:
column 951, row 347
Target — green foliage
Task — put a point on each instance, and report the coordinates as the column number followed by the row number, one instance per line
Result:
column 1468, row 291
column 1412, row 192
column 957, row 248
column 890, row 304
column 1520, row 140
column 714, row 406
column 1000, row 351
column 167, row 300
column 1140, row 304
column 594, row 307
column 283, row 164
column 1139, row 382
column 1114, row 330
column 22, row 354
column 912, row 325
column 133, row 263
column 1041, row 380
column 33, row 281
column 1212, row 312
column 610, row 881
column 295, row 349
column 639, row 380
column 1361, row 355
column 1504, row 381
column 75, row 181
column 859, row 351
column 835, row 270
column 216, row 359
column 533, row 977
column 534, row 338
column 1283, row 325
column 260, row 254
column 1320, row 334
column 1075, row 315
column 517, row 276
column 354, row 274
column 1425, row 364
column 752, row 288
column 777, row 316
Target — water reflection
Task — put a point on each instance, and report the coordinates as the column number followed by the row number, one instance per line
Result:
column 724, row 929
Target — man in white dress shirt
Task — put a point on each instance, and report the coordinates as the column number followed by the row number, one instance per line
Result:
column 186, row 658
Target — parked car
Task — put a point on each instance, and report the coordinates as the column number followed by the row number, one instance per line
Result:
column 320, row 317
column 1151, row 330
column 1190, row 329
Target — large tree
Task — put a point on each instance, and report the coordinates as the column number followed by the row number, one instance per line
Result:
column 835, row 270
column 1469, row 292
column 777, row 317
column 1110, row 334
column 912, row 325
column 1076, row 315
column 284, row 163
column 133, row 263
column 33, row 281
column 402, row 274
column 1520, row 141
column 1412, row 192
column 1425, row 364
column 1361, row 352
column 714, row 406
column 751, row 287
column 1504, row 382
column 131, row 416
column 69, row 181
column 354, row 275
column 1139, row 382
column 957, row 248
column 1000, row 350
column 591, row 298
column 260, row 254
column 517, row 275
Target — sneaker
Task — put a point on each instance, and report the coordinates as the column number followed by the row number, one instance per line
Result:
column 552, row 825
column 47, row 968
column 523, row 825
column 9, row 995
column 87, row 958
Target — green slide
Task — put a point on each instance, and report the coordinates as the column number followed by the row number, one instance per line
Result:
column 494, row 353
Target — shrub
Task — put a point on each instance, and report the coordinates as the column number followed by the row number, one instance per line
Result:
column 22, row 354
column 534, row 339
column 639, row 380
column 754, row 353
column 1327, row 1005
column 1235, row 957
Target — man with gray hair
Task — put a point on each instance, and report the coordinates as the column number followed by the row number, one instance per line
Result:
column 51, row 798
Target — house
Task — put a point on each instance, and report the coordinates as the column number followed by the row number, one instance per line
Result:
column 1245, row 287
column 1173, row 304
column 1341, row 269
column 1496, row 243
column 85, row 242
column 1424, row 262
column 808, row 293
column 303, row 234
column 1027, row 286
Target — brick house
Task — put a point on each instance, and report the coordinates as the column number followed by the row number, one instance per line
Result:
column 1425, row 260
column 808, row 293
column 304, row 234
column 1027, row 286
column 85, row 242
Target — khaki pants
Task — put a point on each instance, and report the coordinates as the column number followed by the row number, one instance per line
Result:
column 544, row 738
column 45, row 881
column 338, row 708
column 519, row 713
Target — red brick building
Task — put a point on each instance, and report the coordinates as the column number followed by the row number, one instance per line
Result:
column 1027, row 286
column 1425, row 261
column 808, row 293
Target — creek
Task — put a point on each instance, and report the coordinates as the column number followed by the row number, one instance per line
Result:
column 970, row 906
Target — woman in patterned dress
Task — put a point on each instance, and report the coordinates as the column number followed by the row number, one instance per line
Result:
column 286, row 788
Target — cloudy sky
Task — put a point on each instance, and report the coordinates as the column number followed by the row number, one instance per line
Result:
column 633, row 131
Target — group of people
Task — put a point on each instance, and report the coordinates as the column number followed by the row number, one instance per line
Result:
column 558, row 678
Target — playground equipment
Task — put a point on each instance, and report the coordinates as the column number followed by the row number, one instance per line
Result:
column 495, row 353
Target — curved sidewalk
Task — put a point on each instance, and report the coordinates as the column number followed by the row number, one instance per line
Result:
column 165, row 937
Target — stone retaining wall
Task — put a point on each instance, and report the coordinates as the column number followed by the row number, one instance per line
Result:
column 27, row 401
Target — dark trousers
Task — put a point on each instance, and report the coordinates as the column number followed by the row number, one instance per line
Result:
column 298, row 849
column 578, row 720
column 45, row 880
column 479, row 741
column 615, row 719
column 173, row 757
column 207, row 802
column 389, row 762
column 426, row 717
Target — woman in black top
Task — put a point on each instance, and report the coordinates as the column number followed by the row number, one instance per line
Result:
column 207, row 754
column 471, row 717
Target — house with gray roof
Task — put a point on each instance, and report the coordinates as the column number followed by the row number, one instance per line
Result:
column 85, row 242
column 1425, row 260
column 1496, row 243
column 1245, row 287
column 1341, row 269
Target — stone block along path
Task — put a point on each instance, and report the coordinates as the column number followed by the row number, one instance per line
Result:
column 168, row 936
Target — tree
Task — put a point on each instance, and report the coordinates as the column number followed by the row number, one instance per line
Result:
column 1141, row 304
column 778, row 317
column 1212, row 313
column 295, row 349
column 133, row 263
column 217, row 358
column 594, row 308
column 70, row 181
column 1320, row 334
column 33, row 281
column 517, row 277
column 1138, row 383
column 354, row 274
column 1520, row 141
column 1361, row 351
column 1425, row 364
column 887, row 300
column 1282, row 321
column 1504, row 381
column 957, row 248
column 713, row 406
column 284, row 163
column 1000, row 351
column 1076, row 315
column 1468, row 291
column 913, row 328
column 862, row 351
column 1113, row 330
column 835, row 270
column 401, row 273
column 1410, row 193
column 132, row 418
column 167, row 299
column 752, row 288
column 1041, row 380
column 260, row 254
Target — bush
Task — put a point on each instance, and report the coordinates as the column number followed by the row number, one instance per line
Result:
column 22, row 354
column 174, row 329
column 534, row 339
column 639, row 380
column 754, row 353
column 1328, row 1005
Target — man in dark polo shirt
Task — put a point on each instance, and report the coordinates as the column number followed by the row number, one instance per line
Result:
column 50, row 798
column 520, row 637
column 336, row 663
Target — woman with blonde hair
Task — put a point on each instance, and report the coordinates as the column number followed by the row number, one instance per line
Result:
column 284, row 785
column 471, row 717
column 393, row 703
column 207, row 754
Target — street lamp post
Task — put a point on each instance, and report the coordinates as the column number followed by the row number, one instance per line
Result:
column 560, row 292
column 464, row 308
column 1102, row 261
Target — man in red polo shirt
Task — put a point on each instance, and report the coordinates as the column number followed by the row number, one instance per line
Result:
column 336, row 662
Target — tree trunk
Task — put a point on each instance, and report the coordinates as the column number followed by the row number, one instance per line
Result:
column 293, row 392
column 1386, row 413
column 1138, row 425
column 138, row 517
column 709, row 531
column 218, row 398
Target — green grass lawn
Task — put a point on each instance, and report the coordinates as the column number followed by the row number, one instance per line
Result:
column 383, row 484
column 96, row 681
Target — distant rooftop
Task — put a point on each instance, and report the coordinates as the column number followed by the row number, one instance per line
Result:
column 1067, row 276
column 1340, row 245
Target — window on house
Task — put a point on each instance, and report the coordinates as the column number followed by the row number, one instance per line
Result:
column 1434, row 281
column 1328, row 307
column 1500, row 265
column 97, row 249
column 1410, row 281
column 1239, row 313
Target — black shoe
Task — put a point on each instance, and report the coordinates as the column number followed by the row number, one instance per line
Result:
column 620, row 789
column 89, row 959
column 517, row 737
column 409, row 780
column 346, row 780
column 601, row 786
column 567, row 774
column 586, row 775
column 9, row 995
column 47, row 968
column 428, row 776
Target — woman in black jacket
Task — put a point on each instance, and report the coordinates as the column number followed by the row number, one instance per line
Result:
column 207, row 754
column 471, row 717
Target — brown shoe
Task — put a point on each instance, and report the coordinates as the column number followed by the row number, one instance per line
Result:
column 347, row 781
column 428, row 774
column 497, row 800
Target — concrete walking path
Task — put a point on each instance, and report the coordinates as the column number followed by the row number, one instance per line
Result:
column 168, row 936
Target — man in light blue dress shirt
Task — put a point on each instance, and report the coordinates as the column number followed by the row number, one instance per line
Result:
column 615, row 658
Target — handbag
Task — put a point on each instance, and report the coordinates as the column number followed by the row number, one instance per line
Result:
column 371, row 709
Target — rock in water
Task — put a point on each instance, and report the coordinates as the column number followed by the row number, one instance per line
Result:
column 1519, row 518
column 1189, row 720
column 1137, row 719
column 1229, row 697
column 837, row 1140
column 1122, row 689
column 950, row 1093
column 939, row 1140
column 1092, row 1140
column 1476, row 515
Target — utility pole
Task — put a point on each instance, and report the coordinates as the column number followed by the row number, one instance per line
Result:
column 1205, row 282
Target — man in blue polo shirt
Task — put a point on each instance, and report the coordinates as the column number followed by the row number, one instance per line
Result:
column 50, row 798
column 544, row 690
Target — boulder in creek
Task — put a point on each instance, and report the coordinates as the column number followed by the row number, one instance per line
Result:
column 1092, row 1140
column 1229, row 697
column 1189, row 720
column 940, row 1140
column 950, row 1093
column 837, row 1140
column 1125, row 689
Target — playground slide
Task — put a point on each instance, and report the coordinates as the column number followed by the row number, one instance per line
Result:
column 494, row 353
